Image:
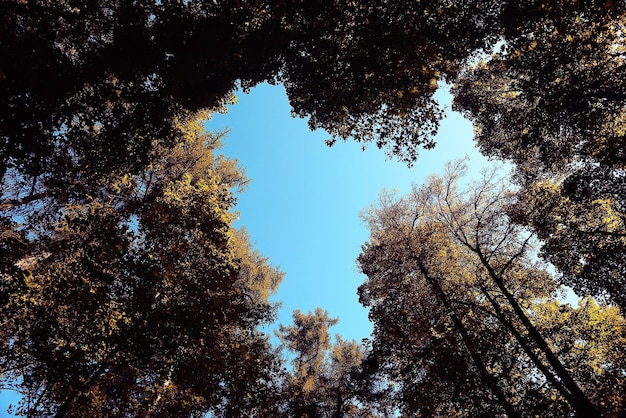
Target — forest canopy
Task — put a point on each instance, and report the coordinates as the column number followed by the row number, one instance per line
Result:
column 126, row 290
column 92, row 75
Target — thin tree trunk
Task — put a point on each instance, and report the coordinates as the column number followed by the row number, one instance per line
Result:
column 527, row 349
column 579, row 401
column 487, row 377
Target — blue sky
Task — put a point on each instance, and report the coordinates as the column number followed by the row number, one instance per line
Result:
column 303, row 202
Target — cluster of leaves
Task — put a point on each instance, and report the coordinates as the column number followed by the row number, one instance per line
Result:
column 368, row 70
column 91, row 85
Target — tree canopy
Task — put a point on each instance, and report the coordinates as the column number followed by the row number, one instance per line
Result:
column 140, row 298
column 126, row 290
column 107, row 77
column 551, row 100
column 326, row 378
column 463, row 314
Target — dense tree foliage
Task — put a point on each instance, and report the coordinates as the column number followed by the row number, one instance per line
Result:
column 125, row 289
column 139, row 298
column 552, row 101
column 553, row 92
column 368, row 70
column 91, row 84
column 325, row 378
column 95, row 75
column 582, row 221
column 466, row 322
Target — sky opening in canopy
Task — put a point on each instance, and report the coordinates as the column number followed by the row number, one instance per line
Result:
column 302, row 205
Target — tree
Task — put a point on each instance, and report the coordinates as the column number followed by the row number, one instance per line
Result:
column 325, row 378
column 140, row 298
column 551, row 100
column 453, row 289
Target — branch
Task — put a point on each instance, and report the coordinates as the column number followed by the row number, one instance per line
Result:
column 8, row 204
column 487, row 377
column 580, row 402
column 522, row 342
column 515, row 256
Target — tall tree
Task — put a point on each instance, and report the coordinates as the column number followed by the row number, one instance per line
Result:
column 452, row 286
column 140, row 298
column 551, row 100
column 325, row 379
